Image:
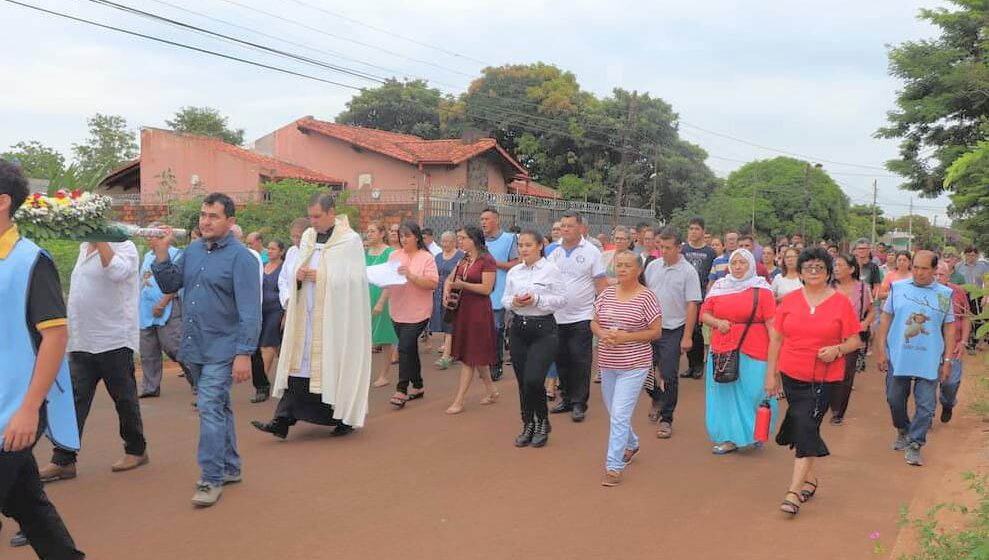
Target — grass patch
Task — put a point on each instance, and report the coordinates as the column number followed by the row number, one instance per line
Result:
column 970, row 542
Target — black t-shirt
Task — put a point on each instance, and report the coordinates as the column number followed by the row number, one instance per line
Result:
column 45, row 305
column 870, row 274
column 701, row 259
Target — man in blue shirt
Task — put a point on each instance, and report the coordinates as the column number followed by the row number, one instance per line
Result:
column 917, row 322
column 221, row 322
column 160, row 318
column 504, row 247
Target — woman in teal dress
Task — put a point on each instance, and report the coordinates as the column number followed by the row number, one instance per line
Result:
column 382, row 331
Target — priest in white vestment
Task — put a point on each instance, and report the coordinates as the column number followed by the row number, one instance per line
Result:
column 324, row 369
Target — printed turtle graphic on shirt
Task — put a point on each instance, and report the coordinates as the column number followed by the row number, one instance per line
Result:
column 915, row 326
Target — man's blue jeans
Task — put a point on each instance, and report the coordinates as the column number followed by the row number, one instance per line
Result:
column 924, row 396
column 949, row 388
column 217, row 440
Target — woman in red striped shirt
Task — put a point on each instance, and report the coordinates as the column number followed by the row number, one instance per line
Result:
column 626, row 319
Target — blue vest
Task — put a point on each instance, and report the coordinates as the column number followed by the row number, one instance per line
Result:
column 19, row 354
column 500, row 249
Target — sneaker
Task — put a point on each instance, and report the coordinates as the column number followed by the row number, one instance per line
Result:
column 612, row 478
column 629, row 455
column 129, row 462
column 946, row 414
column 18, row 540
column 496, row 373
column 901, row 442
column 913, row 455
column 232, row 478
column 206, row 494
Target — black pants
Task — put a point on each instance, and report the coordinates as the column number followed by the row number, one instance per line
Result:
column 23, row 498
column 666, row 356
column 573, row 361
column 975, row 304
column 116, row 369
column 258, row 377
column 842, row 392
column 533, row 343
column 297, row 403
column 695, row 357
column 409, row 366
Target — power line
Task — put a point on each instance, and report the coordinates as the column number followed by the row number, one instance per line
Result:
column 180, row 45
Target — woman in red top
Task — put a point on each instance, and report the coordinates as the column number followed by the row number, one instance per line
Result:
column 473, row 324
column 814, row 328
column 729, row 306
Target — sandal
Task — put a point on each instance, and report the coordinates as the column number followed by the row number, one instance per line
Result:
column 380, row 383
column 416, row 395
column 444, row 363
column 724, row 448
column 808, row 494
column 398, row 400
column 455, row 409
column 789, row 507
column 491, row 398
column 665, row 430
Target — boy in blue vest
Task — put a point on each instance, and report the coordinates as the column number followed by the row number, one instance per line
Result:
column 35, row 388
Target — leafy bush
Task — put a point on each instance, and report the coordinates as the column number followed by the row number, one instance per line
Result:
column 970, row 543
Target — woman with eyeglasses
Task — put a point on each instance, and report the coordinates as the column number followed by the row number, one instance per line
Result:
column 814, row 329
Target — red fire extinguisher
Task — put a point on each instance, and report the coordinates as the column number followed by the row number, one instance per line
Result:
column 763, row 416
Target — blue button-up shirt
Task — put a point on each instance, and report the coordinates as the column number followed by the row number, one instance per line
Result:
column 151, row 294
column 221, row 313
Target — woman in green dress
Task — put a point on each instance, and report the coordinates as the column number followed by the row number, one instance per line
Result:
column 382, row 330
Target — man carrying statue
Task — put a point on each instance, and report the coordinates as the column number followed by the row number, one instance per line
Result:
column 324, row 370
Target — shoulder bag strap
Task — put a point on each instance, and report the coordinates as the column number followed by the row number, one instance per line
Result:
column 755, row 306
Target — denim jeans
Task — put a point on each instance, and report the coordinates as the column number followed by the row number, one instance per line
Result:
column 620, row 390
column 897, row 395
column 949, row 388
column 666, row 355
column 217, row 440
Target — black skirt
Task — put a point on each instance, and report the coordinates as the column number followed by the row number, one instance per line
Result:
column 801, row 427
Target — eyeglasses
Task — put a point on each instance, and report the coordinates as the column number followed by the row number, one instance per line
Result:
column 814, row 268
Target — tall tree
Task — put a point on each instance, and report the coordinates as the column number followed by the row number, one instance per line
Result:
column 968, row 177
column 789, row 196
column 37, row 160
column 409, row 107
column 110, row 143
column 206, row 121
column 860, row 222
column 943, row 107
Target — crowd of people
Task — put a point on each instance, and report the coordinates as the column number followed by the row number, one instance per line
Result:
column 760, row 325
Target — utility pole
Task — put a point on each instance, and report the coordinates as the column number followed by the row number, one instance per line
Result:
column 875, row 194
column 625, row 149
column 910, row 228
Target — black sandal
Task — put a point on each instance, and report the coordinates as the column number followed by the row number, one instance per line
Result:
column 398, row 400
column 808, row 494
column 414, row 396
column 795, row 508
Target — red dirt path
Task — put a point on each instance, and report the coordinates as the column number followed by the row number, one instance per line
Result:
column 417, row 483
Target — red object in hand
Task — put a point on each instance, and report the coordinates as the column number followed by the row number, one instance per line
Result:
column 75, row 194
column 60, row 194
column 763, row 416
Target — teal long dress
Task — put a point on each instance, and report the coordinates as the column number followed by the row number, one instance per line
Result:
column 382, row 330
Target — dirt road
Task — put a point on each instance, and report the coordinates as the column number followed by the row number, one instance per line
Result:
column 417, row 483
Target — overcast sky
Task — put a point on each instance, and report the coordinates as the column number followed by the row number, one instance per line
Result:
column 807, row 77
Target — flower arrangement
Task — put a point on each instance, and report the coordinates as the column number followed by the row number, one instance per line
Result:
column 67, row 215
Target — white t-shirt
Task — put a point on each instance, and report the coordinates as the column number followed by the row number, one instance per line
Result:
column 103, row 301
column 783, row 286
column 580, row 267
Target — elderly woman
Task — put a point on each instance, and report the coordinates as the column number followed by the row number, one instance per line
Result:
column 739, row 309
column 814, row 329
column 446, row 261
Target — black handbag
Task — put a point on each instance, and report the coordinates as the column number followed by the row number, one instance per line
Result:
column 725, row 364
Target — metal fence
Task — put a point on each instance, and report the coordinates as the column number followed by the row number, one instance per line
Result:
column 449, row 207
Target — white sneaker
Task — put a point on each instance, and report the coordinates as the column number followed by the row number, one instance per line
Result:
column 206, row 494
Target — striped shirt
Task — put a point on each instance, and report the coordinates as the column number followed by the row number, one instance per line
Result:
column 631, row 316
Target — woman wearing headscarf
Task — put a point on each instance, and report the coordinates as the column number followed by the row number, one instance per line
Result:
column 738, row 308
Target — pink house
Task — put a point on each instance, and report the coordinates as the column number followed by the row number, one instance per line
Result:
column 174, row 164
column 375, row 159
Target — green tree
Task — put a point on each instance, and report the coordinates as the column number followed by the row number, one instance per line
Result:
column 860, row 222
column 942, row 109
column 968, row 177
column 206, row 121
column 790, row 196
column 572, row 187
column 110, row 143
column 37, row 160
column 409, row 107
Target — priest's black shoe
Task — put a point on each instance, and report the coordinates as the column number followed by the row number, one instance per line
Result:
column 561, row 407
column 341, row 430
column 277, row 427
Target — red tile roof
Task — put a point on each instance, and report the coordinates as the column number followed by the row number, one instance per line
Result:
column 406, row 147
column 532, row 188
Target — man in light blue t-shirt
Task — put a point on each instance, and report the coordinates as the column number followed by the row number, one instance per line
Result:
column 917, row 319
column 504, row 247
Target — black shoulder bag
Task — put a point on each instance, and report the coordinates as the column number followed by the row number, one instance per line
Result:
column 725, row 364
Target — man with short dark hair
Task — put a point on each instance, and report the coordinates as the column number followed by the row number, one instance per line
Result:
column 719, row 267
column 504, row 247
column 696, row 252
column 255, row 241
column 638, row 247
column 747, row 242
column 914, row 350
column 430, row 242
column 678, row 290
column 35, row 387
column 222, row 321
